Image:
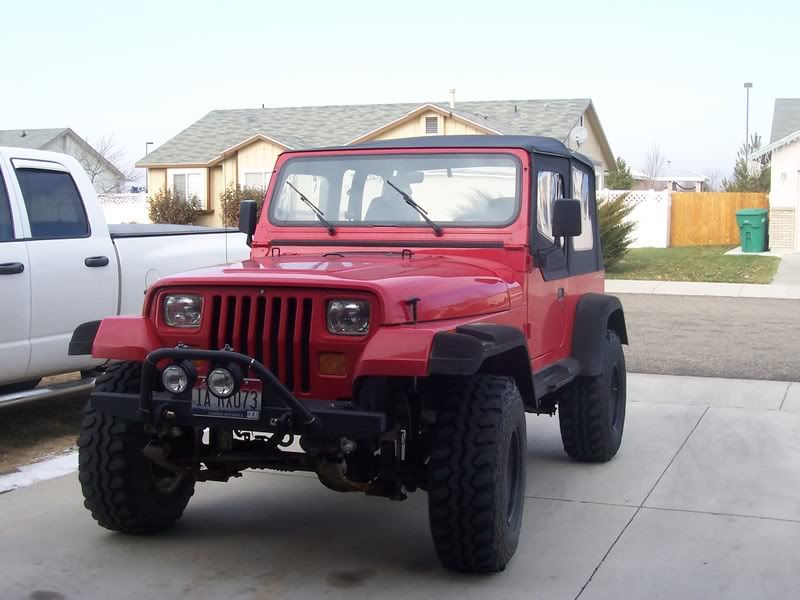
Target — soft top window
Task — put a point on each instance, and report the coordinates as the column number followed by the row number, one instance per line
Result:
column 455, row 190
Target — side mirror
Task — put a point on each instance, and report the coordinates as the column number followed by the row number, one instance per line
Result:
column 248, row 218
column 566, row 217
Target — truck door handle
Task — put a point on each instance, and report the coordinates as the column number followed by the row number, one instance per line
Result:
column 96, row 261
column 12, row 268
column 561, row 293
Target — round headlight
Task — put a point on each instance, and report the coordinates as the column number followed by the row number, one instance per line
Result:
column 175, row 379
column 221, row 382
column 182, row 311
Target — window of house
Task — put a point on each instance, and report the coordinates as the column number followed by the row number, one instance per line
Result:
column 188, row 184
column 256, row 179
column 53, row 203
column 580, row 190
column 431, row 124
column 550, row 187
column 6, row 226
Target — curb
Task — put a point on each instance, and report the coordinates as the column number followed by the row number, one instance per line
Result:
column 699, row 288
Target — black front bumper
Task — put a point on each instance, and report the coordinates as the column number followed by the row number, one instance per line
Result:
column 280, row 410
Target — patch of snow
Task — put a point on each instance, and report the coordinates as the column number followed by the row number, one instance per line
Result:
column 40, row 471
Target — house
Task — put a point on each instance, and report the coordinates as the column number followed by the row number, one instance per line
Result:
column 104, row 175
column 784, row 195
column 676, row 180
column 239, row 147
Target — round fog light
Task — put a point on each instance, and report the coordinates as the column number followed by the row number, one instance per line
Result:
column 221, row 382
column 175, row 379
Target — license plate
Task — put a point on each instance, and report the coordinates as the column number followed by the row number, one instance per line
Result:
column 244, row 404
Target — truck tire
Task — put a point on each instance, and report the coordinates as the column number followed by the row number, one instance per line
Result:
column 476, row 480
column 122, row 489
column 591, row 410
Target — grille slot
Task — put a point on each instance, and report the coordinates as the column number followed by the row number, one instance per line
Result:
column 273, row 327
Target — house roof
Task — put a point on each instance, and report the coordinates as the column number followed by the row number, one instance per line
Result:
column 207, row 140
column 672, row 175
column 785, row 118
column 29, row 138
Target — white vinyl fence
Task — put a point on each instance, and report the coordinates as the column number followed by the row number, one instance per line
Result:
column 125, row 208
column 651, row 213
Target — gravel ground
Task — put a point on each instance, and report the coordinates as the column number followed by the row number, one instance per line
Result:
column 741, row 338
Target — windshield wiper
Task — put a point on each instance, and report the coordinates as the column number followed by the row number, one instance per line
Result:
column 422, row 212
column 317, row 212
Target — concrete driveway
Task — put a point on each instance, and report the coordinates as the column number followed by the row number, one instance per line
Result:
column 703, row 501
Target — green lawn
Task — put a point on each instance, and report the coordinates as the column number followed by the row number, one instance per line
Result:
column 696, row 263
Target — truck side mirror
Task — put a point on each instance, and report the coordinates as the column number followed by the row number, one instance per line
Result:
column 566, row 217
column 248, row 218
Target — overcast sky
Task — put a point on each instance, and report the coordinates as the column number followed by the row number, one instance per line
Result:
column 669, row 73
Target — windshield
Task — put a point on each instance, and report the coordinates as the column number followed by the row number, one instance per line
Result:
column 467, row 190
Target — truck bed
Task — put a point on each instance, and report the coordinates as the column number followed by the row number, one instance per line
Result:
column 152, row 230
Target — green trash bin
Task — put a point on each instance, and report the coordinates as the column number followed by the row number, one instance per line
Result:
column 753, row 223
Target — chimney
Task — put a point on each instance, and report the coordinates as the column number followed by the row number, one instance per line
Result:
column 452, row 97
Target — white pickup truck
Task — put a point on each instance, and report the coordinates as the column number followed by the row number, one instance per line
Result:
column 62, row 266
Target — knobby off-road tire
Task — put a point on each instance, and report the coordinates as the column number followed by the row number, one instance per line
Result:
column 123, row 490
column 476, row 487
column 591, row 410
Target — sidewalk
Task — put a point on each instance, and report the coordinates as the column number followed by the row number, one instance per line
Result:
column 699, row 288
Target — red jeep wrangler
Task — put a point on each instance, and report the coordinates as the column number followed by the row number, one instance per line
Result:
column 405, row 304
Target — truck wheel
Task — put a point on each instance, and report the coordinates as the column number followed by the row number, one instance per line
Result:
column 123, row 490
column 591, row 410
column 476, row 486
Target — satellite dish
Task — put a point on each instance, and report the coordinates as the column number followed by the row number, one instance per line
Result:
column 579, row 134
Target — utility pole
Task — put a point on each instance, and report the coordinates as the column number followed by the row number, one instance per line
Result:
column 747, row 86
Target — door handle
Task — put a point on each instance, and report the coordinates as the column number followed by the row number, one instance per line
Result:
column 96, row 261
column 12, row 268
column 561, row 293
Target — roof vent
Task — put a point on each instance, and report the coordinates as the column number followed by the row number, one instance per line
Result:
column 431, row 125
column 452, row 97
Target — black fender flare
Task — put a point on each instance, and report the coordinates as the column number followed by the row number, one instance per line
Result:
column 502, row 349
column 594, row 315
column 83, row 338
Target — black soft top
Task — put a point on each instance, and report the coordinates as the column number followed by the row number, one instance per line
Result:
column 530, row 143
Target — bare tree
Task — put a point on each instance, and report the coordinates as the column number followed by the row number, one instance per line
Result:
column 654, row 164
column 714, row 180
column 106, row 150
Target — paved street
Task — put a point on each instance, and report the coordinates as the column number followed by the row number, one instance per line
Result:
column 701, row 502
column 744, row 338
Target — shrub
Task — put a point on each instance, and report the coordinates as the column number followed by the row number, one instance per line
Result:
column 166, row 207
column 232, row 196
column 615, row 228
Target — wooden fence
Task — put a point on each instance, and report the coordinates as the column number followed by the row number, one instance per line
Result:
column 709, row 218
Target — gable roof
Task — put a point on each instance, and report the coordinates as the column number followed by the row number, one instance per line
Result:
column 785, row 118
column 296, row 128
column 35, row 139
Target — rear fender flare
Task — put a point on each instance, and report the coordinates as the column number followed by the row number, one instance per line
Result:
column 594, row 315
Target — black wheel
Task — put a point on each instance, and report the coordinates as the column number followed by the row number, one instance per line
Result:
column 92, row 373
column 123, row 490
column 476, row 486
column 591, row 410
column 21, row 386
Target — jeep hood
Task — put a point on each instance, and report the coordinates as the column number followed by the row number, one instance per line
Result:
column 447, row 287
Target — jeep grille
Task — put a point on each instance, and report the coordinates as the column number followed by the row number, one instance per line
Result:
column 273, row 327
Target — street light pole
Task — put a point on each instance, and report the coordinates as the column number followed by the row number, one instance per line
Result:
column 747, row 86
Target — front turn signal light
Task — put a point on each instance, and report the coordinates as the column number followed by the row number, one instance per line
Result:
column 332, row 363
